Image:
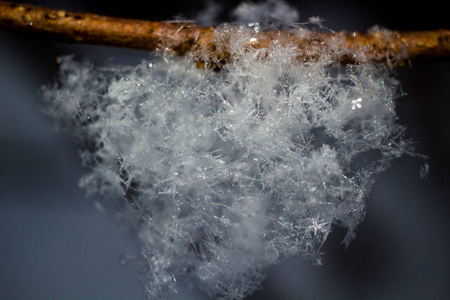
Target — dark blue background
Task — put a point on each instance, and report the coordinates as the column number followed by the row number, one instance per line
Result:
column 54, row 244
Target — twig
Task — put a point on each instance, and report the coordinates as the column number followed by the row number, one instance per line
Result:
column 184, row 37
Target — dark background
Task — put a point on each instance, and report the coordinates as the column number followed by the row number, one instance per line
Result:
column 54, row 244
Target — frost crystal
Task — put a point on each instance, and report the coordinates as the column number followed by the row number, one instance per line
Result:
column 222, row 175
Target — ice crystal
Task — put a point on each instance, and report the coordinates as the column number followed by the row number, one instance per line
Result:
column 222, row 175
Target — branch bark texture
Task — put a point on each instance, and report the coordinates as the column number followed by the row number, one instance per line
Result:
column 186, row 37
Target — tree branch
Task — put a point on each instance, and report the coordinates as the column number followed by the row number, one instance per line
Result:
column 186, row 37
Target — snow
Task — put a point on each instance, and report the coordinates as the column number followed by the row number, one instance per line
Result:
column 222, row 175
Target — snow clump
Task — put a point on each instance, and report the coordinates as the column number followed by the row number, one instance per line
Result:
column 223, row 174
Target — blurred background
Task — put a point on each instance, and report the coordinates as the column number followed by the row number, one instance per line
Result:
column 54, row 243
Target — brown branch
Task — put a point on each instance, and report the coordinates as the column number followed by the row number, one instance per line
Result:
column 186, row 37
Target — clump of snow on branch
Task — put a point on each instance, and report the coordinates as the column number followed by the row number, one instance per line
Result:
column 222, row 175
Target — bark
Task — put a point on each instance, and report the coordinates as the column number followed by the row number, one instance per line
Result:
column 183, row 38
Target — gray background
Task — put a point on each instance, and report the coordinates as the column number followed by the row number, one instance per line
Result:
column 54, row 244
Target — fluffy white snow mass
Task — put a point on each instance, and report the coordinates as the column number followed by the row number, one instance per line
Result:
column 223, row 174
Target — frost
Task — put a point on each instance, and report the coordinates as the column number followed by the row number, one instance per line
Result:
column 316, row 20
column 222, row 175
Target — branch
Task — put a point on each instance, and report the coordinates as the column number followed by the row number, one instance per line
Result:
column 186, row 37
